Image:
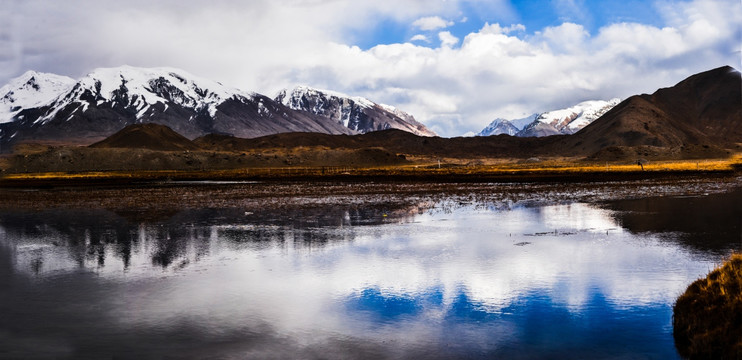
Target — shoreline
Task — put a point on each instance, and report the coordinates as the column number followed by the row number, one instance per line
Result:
column 565, row 172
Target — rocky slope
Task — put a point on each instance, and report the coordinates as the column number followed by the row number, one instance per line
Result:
column 356, row 113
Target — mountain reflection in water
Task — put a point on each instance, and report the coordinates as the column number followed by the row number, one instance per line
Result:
column 94, row 237
column 452, row 277
column 708, row 223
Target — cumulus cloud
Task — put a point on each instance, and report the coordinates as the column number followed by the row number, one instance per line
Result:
column 431, row 23
column 420, row 37
column 447, row 39
column 497, row 70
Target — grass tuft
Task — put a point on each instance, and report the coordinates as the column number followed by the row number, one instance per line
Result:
column 707, row 318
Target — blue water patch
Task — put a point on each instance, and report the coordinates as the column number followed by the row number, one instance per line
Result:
column 598, row 328
column 384, row 307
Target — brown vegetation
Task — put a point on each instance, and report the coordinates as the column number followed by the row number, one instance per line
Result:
column 707, row 318
column 267, row 166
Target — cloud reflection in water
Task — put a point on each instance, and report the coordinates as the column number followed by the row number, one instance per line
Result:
column 432, row 280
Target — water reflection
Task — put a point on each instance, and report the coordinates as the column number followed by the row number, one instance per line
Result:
column 710, row 223
column 96, row 238
column 453, row 278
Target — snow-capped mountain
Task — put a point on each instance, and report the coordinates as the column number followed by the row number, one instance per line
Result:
column 507, row 126
column 107, row 100
column 356, row 113
column 32, row 89
column 142, row 89
column 499, row 127
column 573, row 119
column 555, row 122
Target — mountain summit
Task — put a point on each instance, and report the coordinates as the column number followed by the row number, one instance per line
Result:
column 501, row 126
column 32, row 89
column 47, row 107
column 573, row 119
column 563, row 121
column 356, row 113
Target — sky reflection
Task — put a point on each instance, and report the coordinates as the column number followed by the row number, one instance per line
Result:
column 429, row 280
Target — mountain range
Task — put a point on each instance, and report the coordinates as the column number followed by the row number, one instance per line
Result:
column 700, row 117
column 57, row 109
column 562, row 121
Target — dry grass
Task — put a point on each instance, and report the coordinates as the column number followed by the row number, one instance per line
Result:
column 707, row 318
column 421, row 168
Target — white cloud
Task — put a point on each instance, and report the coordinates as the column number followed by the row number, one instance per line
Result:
column 431, row 23
column 447, row 39
column 495, row 71
column 420, row 37
column 497, row 29
column 566, row 38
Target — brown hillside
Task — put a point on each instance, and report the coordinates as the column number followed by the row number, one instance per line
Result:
column 393, row 140
column 703, row 111
column 147, row 136
column 710, row 102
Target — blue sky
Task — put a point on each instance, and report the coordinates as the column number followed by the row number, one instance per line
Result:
column 534, row 15
column 454, row 64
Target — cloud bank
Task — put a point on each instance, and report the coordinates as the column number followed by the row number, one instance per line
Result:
column 454, row 80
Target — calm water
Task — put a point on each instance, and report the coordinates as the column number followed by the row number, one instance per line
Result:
column 393, row 276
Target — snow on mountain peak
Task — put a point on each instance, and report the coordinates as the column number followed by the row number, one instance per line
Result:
column 141, row 88
column 32, row 89
column 563, row 121
column 507, row 126
column 293, row 100
column 499, row 127
column 354, row 112
column 163, row 85
column 574, row 118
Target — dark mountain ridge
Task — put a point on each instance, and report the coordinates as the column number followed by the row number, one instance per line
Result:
column 704, row 110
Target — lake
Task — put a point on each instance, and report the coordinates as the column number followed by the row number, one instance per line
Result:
column 357, row 270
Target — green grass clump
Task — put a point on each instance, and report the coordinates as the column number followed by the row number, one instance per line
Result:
column 707, row 318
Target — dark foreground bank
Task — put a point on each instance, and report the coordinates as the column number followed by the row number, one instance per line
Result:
column 707, row 318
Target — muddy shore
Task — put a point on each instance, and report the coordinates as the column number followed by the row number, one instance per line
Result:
column 259, row 195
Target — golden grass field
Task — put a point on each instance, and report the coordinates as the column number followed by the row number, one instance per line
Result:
column 419, row 168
